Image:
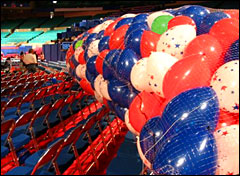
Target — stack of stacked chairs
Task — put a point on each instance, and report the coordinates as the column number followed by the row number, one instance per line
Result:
column 31, row 112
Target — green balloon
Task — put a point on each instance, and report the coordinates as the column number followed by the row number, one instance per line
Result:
column 78, row 43
column 160, row 24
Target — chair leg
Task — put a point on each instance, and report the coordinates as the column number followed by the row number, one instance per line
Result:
column 15, row 158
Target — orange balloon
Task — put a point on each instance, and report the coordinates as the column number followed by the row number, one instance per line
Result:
column 86, row 86
column 226, row 31
column 99, row 61
column 116, row 40
column 144, row 107
column 110, row 29
column 81, row 59
column 185, row 74
column 233, row 13
column 206, row 45
column 148, row 43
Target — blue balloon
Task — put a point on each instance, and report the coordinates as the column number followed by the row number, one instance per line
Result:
column 171, row 11
column 196, row 12
column 140, row 18
column 133, row 41
column 180, row 10
column 74, row 61
column 100, row 35
column 89, row 76
column 233, row 52
column 209, row 20
column 90, row 38
column 103, row 44
column 85, row 56
column 190, row 152
column 85, row 34
column 126, row 61
column 91, row 65
column 195, row 107
column 127, row 21
column 128, row 96
column 120, row 111
column 151, row 137
column 108, row 73
column 136, row 26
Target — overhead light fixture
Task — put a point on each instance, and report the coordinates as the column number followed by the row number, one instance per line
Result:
column 54, row 2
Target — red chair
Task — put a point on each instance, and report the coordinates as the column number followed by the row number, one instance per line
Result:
column 3, row 104
column 7, row 78
column 7, row 92
column 24, row 76
column 4, row 84
column 21, row 81
column 39, row 98
column 18, row 90
column 41, row 73
column 29, row 86
column 30, row 79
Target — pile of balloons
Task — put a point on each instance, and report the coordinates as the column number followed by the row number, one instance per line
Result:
column 173, row 77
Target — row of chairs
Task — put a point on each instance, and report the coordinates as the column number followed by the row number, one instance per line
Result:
column 62, row 151
column 17, row 75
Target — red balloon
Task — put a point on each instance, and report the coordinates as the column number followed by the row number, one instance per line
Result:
column 81, row 59
column 233, row 13
column 71, row 64
column 227, row 119
column 99, row 61
column 69, row 53
column 116, row 40
column 148, row 43
column 226, row 31
column 206, row 45
column 90, row 30
column 144, row 107
column 181, row 20
column 110, row 29
column 86, row 86
column 105, row 102
column 185, row 74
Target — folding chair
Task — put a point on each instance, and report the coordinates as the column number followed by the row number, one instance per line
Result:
column 7, row 92
column 10, row 110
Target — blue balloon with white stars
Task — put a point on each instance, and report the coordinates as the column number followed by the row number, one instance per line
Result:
column 140, row 18
column 136, row 26
column 120, row 111
column 209, row 20
column 233, row 52
column 91, row 65
column 103, row 44
column 124, row 21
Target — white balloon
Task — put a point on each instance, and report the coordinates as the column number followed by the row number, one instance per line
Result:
column 225, row 82
column 128, row 124
column 104, row 89
column 93, row 48
column 138, row 76
column 97, row 29
column 97, row 82
column 98, row 97
column 158, row 64
column 175, row 40
column 154, row 15
column 227, row 140
column 128, row 15
column 144, row 159
column 77, row 52
column 105, row 24
column 81, row 71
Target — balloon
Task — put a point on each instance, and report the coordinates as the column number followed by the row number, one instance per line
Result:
column 181, row 20
column 128, row 15
column 209, row 20
column 99, row 61
column 105, row 24
column 154, row 15
column 116, row 40
column 148, row 43
column 226, row 31
column 110, row 29
column 104, row 89
column 91, row 66
column 227, row 140
column 73, row 62
column 124, row 21
column 138, row 76
column 140, row 152
column 100, row 35
column 151, row 137
column 93, row 48
column 81, row 71
column 90, row 78
column 86, row 86
column 111, row 105
column 185, row 74
column 233, row 52
column 133, row 40
column 98, row 97
column 227, row 119
column 192, row 108
column 196, row 12
column 180, row 10
column 103, row 44
column 69, row 53
column 144, row 106
column 157, row 66
column 190, row 152
column 120, row 111
column 90, row 38
column 81, row 59
column 160, row 24
column 225, row 82
column 128, row 124
column 233, row 13
column 77, row 44
column 206, row 45
column 140, row 18
column 77, row 52
column 126, row 61
column 175, row 40
column 97, row 82
column 136, row 26
column 97, row 28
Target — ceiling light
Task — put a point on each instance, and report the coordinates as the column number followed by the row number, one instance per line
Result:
column 54, row 2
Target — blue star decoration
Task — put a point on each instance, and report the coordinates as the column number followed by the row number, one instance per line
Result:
column 177, row 45
column 236, row 107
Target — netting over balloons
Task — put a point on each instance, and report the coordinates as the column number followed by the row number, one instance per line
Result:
column 173, row 77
